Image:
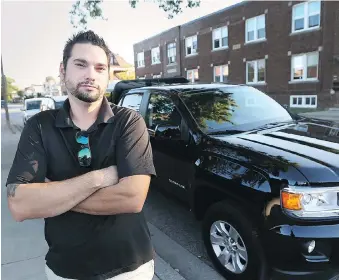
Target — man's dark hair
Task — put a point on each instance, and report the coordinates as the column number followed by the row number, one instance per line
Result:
column 85, row 37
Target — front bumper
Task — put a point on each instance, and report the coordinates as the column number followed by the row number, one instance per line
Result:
column 286, row 248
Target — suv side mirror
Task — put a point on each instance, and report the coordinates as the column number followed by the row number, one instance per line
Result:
column 167, row 131
column 293, row 115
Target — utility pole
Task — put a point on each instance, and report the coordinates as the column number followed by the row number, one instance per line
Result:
column 4, row 93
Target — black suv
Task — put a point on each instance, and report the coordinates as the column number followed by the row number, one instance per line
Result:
column 264, row 183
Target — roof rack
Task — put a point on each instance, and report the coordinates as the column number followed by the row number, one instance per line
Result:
column 125, row 85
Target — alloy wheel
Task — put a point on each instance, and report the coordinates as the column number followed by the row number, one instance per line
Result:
column 229, row 247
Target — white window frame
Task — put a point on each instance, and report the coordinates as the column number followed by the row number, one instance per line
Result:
column 221, row 71
column 193, row 76
column 157, row 76
column 141, row 59
column 303, row 103
column 170, row 47
column 156, row 55
column 255, row 29
column 255, row 72
column 304, row 57
column 306, row 17
column 220, row 38
column 189, row 43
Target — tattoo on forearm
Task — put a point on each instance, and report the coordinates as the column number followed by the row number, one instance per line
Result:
column 11, row 188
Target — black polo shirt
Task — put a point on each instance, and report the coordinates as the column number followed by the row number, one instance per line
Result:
column 83, row 246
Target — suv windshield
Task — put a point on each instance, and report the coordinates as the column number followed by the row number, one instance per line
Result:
column 33, row 105
column 232, row 108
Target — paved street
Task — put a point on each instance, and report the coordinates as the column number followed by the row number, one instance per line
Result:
column 176, row 235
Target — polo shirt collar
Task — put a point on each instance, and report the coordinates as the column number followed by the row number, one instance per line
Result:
column 63, row 118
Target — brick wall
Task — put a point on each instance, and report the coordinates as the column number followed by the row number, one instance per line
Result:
column 277, row 49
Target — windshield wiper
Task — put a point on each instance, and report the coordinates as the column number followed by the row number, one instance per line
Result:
column 226, row 132
column 273, row 124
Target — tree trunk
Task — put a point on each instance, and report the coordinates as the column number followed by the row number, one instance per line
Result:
column 4, row 93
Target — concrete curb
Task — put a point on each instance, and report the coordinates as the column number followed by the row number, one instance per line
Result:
column 179, row 259
column 164, row 271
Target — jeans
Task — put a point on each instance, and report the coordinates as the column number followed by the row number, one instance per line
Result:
column 143, row 272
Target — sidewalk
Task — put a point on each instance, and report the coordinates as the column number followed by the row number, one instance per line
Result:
column 330, row 115
column 23, row 244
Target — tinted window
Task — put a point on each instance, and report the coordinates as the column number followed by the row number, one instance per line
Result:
column 161, row 111
column 132, row 101
column 225, row 108
column 59, row 104
column 33, row 105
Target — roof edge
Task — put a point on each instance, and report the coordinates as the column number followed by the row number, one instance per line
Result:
column 217, row 12
column 156, row 35
column 194, row 20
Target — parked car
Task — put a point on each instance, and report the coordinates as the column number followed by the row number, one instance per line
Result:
column 265, row 185
column 33, row 106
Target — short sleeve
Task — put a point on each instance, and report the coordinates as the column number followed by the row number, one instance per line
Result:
column 29, row 164
column 133, row 150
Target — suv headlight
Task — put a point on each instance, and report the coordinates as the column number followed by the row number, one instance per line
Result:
column 307, row 202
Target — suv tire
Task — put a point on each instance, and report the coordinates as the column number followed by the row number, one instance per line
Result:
column 223, row 214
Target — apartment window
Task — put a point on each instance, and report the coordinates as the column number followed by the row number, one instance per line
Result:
column 305, row 67
column 193, row 75
column 255, row 29
column 221, row 73
column 255, row 71
column 303, row 101
column 191, row 45
column 306, row 16
column 171, row 53
column 156, row 55
column 141, row 59
column 220, row 38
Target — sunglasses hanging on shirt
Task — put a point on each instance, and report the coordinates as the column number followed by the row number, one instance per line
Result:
column 84, row 154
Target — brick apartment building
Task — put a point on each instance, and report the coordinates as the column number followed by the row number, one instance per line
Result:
column 290, row 50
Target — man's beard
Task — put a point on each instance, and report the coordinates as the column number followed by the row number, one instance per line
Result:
column 89, row 96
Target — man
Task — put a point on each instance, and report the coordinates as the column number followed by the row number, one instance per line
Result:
column 86, row 170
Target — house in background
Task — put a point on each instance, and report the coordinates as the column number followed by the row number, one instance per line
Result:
column 51, row 87
column 120, row 69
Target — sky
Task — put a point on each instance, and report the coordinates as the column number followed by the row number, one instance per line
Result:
column 33, row 33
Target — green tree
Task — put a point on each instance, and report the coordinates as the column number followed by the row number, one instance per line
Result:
column 20, row 93
column 49, row 79
column 83, row 10
column 11, row 87
column 4, row 92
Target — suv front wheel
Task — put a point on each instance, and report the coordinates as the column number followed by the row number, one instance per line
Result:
column 231, row 243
